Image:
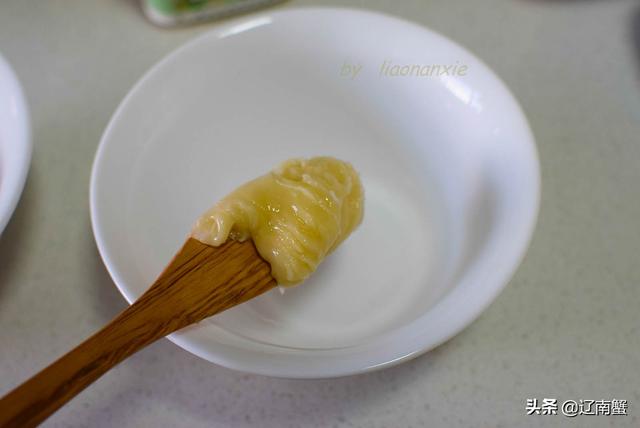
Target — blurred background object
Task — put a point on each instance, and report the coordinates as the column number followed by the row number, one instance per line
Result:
column 177, row 12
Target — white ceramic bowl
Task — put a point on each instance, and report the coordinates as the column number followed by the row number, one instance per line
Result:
column 448, row 163
column 15, row 142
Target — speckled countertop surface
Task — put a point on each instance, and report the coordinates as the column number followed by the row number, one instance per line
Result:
column 567, row 327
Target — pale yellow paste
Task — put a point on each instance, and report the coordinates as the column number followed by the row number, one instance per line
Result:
column 296, row 215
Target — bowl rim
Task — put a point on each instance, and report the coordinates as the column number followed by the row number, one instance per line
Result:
column 269, row 365
column 14, row 173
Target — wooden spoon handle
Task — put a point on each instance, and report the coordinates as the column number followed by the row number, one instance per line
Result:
column 200, row 281
column 36, row 399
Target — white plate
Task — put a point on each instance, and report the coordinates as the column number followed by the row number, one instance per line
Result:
column 15, row 142
column 448, row 163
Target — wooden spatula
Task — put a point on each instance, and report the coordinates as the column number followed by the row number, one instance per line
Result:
column 200, row 281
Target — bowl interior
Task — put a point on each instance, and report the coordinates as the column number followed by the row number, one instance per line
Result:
column 447, row 161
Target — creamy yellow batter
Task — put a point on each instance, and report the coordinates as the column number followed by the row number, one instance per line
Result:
column 296, row 215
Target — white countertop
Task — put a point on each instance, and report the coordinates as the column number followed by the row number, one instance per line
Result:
column 567, row 326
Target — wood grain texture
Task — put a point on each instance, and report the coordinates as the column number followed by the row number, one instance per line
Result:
column 200, row 281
